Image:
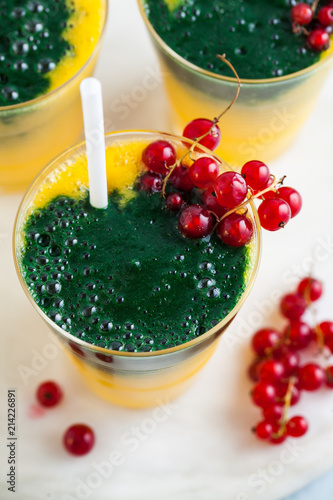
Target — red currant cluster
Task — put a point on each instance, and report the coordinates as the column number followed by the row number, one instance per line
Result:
column 277, row 370
column 78, row 438
column 223, row 196
column 318, row 35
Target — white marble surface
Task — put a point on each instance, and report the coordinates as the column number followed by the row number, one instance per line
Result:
column 203, row 449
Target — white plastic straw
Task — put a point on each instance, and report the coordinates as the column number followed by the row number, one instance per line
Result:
column 92, row 107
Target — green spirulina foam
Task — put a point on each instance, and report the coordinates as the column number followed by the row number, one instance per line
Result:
column 124, row 278
column 255, row 35
column 31, row 45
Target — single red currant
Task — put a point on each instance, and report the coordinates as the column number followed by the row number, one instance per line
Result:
column 79, row 439
column 311, row 289
column 282, row 389
column 174, row 202
column 318, row 39
column 209, row 200
column 311, row 377
column 158, row 156
column 263, row 430
column 289, row 359
column 201, row 126
column 235, row 230
column 278, row 435
column 180, row 178
column 271, row 371
column 301, row 13
column 297, row 426
column 292, row 306
column 264, row 340
column 195, row 222
column 329, row 377
column 299, row 334
column 274, row 214
column 253, row 370
column 230, row 189
column 263, row 394
column 204, row 172
column 325, row 16
column 326, row 328
column 49, row 394
column 273, row 413
column 151, row 182
column 292, row 197
column 256, row 174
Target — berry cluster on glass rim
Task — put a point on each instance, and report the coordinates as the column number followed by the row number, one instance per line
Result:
column 317, row 27
column 224, row 196
column 288, row 363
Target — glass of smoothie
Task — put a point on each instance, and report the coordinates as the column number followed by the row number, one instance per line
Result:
column 138, row 308
column 280, row 75
column 46, row 49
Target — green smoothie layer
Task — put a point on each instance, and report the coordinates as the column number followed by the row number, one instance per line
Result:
column 255, row 35
column 124, row 278
column 31, row 45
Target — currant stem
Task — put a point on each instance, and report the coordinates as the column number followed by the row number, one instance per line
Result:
column 217, row 119
column 222, row 58
column 320, row 337
column 315, row 5
column 253, row 197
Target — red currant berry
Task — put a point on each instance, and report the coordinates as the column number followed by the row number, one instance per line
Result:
column 271, row 371
column 311, row 377
column 151, row 183
column 264, row 340
column 49, row 393
column 158, row 156
column 209, row 200
column 253, row 370
column 292, row 306
column 273, row 413
column 301, row 13
column 180, row 178
column 230, row 189
column 263, row 394
column 282, row 389
column 325, row 16
column 310, row 289
column 204, row 172
column 79, row 439
column 326, row 328
column 296, row 426
column 195, row 222
column 292, row 197
column 263, row 430
column 235, row 230
column 278, row 435
column 174, row 202
column 274, row 214
column 256, row 174
column 299, row 334
column 289, row 359
column 199, row 127
column 318, row 39
column 329, row 376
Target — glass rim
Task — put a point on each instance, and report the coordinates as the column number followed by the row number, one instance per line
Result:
column 102, row 350
column 179, row 59
column 41, row 98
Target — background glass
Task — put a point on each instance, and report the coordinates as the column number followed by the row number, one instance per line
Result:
column 267, row 115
